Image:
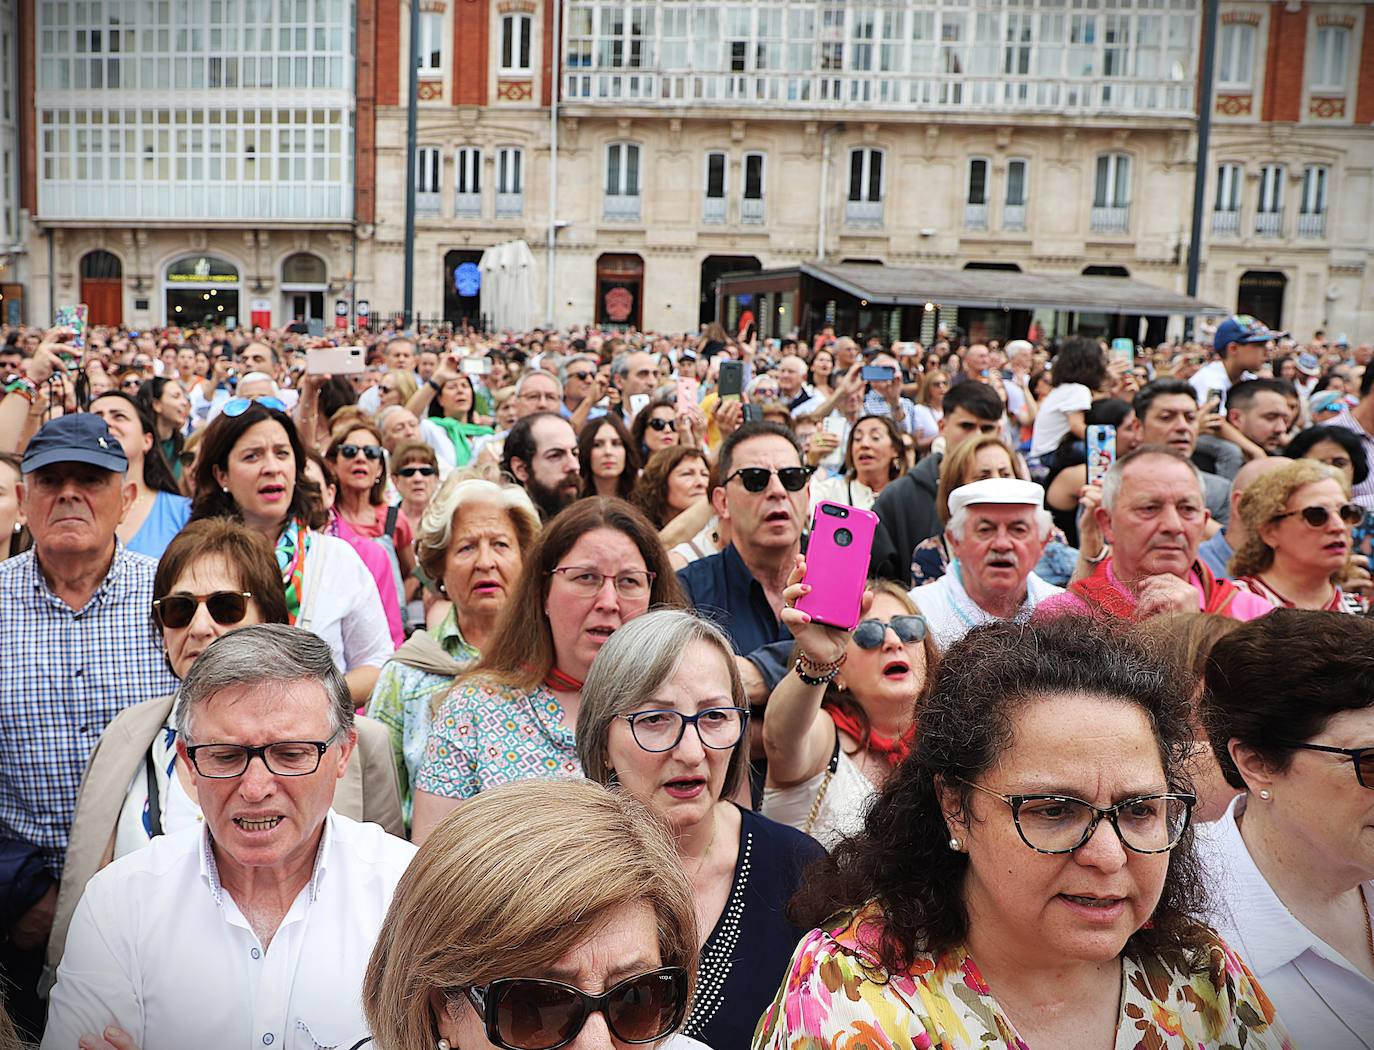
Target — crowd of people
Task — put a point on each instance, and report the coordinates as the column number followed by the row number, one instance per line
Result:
column 470, row 697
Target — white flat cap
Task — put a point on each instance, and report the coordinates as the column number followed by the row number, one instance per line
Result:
column 996, row 490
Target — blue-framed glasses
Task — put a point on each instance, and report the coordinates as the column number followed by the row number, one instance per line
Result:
column 237, row 406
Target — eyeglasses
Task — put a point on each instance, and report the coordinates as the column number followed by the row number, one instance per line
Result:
column 869, row 634
column 659, row 423
column 131, row 384
column 410, row 472
column 178, row 610
column 587, row 582
column 718, row 728
column 373, row 452
column 237, row 406
column 522, row 1013
column 287, row 758
column 581, row 376
column 1317, row 517
column 755, row 479
column 1061, row 823
column 1362, row 758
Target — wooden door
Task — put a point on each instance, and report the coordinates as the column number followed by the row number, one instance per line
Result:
column 104, row 299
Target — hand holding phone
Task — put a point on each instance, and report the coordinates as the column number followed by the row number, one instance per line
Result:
column 837, row 564
column 731, row 384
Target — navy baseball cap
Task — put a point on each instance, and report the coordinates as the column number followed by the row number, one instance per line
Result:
column 77, row 438
column 1242, row 328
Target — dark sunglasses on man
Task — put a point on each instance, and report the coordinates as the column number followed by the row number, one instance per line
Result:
column 524, row 1013
column 755, row 479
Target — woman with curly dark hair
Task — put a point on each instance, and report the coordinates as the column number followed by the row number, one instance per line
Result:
column 1027, row 877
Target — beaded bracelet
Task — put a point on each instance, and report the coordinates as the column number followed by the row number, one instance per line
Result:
column 824, row 673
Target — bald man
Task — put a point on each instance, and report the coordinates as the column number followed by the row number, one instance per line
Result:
column 1216, row 552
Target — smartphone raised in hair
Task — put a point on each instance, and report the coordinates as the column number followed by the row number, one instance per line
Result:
column 837, row 557
column 731, row 381
column 1101, row 451
column 334, row 360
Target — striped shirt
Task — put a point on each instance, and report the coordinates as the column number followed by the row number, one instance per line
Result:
column 64, row 674
column 1364, row 491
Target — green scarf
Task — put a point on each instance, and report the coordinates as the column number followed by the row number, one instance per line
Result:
column 459, row 432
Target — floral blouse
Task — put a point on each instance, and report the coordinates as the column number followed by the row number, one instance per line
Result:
column 837, row 995
column 488, row 734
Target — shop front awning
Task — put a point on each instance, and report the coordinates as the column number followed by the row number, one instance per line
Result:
column 989, row 289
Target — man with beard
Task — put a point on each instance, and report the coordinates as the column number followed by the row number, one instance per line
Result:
column 540, row 454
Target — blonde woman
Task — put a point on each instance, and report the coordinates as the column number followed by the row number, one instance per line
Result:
column 1298, row 522
column 508, row 931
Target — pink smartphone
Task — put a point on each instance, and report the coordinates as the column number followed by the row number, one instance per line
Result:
column 837, row 563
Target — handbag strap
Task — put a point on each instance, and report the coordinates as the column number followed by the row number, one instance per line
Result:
column 825, row 784
column 154, row 796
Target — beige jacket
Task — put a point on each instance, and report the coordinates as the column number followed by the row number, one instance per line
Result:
column 369, row 791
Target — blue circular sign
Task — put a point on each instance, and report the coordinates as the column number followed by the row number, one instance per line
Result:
column 467, row 279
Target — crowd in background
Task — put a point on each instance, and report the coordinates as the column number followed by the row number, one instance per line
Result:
column 1096, row 756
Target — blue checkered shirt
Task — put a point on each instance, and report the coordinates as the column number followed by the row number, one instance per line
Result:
column 64, row 674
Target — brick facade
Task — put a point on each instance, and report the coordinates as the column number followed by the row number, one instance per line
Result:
column 388, row 51
column 471, row 46
column 1364, row 87
column 1287, row 53
column 365, row 115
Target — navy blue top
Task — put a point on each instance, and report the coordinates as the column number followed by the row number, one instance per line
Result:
column 744, row 961
column 724, row 591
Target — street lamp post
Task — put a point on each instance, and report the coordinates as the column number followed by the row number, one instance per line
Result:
column 1204, row 134
column 409, row 306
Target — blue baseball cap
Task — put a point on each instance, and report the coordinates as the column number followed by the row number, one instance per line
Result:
column 1328, row 401
column 1309, row 365
column 1242, row 328
column 77, row 438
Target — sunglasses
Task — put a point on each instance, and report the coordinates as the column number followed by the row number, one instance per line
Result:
column 869, row 634
column 237, row 406
column 410, row 472
column 581, row 376
column 370, row 451
column 522, row 1013
column 178, row 610
column 755, row 479
column 663, row 424
column 1317, row 517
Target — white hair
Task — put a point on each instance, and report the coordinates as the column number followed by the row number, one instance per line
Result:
column 1111, row 484
column 954, row 528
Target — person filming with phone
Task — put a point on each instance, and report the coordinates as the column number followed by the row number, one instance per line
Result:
column 762, row 498
column 997, row 531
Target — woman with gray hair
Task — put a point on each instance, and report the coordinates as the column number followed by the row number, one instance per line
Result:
column 663, row 719
column 471, row 540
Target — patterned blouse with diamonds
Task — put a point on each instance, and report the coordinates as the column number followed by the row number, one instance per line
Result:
column 746, row 956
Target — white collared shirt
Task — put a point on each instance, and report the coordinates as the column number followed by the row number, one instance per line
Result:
column 1307, row 980
column 158, row 947
column 951, row 613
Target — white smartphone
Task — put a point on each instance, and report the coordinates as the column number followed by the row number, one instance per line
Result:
column 638, row 403
column 335, row 360
column 476, row 366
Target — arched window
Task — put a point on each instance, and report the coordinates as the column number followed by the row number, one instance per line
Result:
column 101, row 265
column 303, row 268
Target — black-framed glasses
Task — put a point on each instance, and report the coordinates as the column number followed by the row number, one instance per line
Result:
column 718, row 728
column 586, row 581
column 755, row 479
column 525, row 1013
column 1318, row 516
column 225, row 607
column 1061, row 823
column 659, row 423
column 410, row 472
column 1362, row 758
column 286, row 758
column 373, row 452
column 869, row 634
column 581, row 376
